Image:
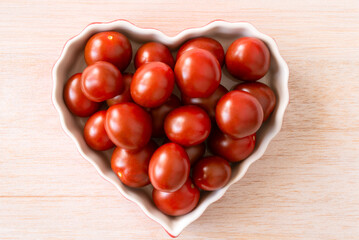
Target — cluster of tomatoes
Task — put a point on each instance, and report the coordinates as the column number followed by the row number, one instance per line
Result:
column 142, row 106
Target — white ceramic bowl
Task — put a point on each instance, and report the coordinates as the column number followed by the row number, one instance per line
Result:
column 72, row 61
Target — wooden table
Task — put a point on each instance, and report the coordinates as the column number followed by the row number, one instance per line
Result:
column 306, row 186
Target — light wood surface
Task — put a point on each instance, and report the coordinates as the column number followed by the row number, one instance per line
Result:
column 306, row 186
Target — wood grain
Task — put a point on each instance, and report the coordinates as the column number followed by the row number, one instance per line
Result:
column 306, row 186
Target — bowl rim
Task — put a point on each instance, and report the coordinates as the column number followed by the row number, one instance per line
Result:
column 171, row 229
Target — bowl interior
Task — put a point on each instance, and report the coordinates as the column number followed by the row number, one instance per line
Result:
column 72, row 61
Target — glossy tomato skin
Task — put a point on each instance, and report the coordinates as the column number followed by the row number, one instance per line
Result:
column 248, row 59
column 131, row 166
column 211, row 173
column 208, row 103
column 263, row 93
column 177, row 203
column 95, row 134
column 188, row 125
column 159, row 114
column 239, row 114
column 198, row 73
column 112, row 47
column 125, row 96
column 76, row 101
column 169, row 167
column 101, row 81
column 209, row 44
column 153, row 52
column 233, row 150
column 152, row 84
column 128, row 126
column 194, row 153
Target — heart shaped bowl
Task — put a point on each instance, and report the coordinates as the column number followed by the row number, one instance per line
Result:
column 72, row 61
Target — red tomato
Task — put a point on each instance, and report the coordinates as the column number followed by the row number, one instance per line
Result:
column 101, row 81
column 152, row 84
column 204, row 43
column 263, row 93
column 111, row 47
column 198, row 73
column 208, row 103
column 239, row 114
column 177, row 203
column 125, row 96
column 194, row 153
column 248, row 59
column 153, row 52
column 234, row 150
column 76, row 101
column 159, row 114
column 128, row 126
column 187, row 125
column 211, row 173
column 169, row 167
column 95, row 134
column 131, row 166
